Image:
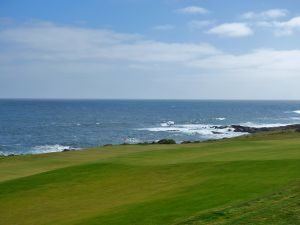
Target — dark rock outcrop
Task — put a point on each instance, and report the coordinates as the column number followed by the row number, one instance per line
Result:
column 166, row 141
column 251, row 130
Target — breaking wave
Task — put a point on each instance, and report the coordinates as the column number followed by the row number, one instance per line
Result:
column 132, row 141
column 167, row 124
column 261, row 125
column 50, row 148
column 207, row 131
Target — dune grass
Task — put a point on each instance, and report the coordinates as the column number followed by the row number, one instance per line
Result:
column 246, row 180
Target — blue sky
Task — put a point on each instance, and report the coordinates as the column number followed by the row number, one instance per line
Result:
column 167, row 49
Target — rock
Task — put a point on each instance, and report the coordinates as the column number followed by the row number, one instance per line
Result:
column 166, row 141
column 220, row 127
column 251, row 130
column 243, row 129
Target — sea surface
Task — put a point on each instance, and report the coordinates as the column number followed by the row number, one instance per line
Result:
column 41, row 126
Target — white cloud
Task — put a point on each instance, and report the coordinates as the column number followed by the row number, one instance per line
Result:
column 232, row 30
column 268, row 14
column 94, row 60
column 282, row 28
column 287, row 27
column 44, row 41
column 292, row 23
column 269, row 60
column 274, row 13
column 164, row 27
column 51, row 43
column 198, row 24
column 192, row 10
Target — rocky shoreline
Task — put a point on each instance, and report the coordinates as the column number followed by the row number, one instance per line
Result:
column 252, row 130
column 234, row 128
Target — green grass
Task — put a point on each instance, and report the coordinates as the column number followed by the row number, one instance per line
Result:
column 281, row 207
column 246, row 180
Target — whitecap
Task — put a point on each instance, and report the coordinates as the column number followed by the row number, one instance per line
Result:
column 297, row 111
column 132, row 141
column 261, row 125
column 204, row 130
column 6, row 153
column 221, row 118
column 49, row 148
column 167, row 124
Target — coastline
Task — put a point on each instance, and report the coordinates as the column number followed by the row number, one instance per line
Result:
column 244, row 130
column 151, row 181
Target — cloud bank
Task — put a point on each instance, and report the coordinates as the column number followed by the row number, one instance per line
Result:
column 46, row 51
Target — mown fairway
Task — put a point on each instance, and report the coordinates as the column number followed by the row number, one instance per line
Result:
column 247, row 180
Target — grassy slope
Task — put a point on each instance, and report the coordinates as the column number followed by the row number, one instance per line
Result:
column 207, row 183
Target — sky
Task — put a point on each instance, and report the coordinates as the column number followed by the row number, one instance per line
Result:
column 150, row 49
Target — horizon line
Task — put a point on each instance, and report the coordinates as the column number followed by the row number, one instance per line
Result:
column 149, row 99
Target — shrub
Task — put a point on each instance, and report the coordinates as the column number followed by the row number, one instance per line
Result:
column 166, row 141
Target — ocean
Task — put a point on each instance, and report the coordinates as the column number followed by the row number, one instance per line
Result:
column 41, row 126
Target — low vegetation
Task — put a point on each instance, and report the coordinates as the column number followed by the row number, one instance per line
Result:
column 247, row 180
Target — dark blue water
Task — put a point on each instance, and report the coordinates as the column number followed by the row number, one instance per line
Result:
column 37, row 126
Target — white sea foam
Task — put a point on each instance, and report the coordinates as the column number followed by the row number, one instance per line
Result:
column 221, row 118
column 297, row 111
column 6, row 153
column 40, row 150
column 260, row 125
column 206, row 131
column 49, row 148
column 132, row 141
column 167, row 124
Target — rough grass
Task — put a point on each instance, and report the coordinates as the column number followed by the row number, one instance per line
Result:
column 246, row 180
column 281, row 207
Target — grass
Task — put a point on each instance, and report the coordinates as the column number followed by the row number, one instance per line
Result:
column 246, row 180
column 281, row 207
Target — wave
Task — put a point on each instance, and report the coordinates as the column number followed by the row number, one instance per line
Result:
column 220, row 118
column 40, row 150
column 297, row 111
column 167, row 124
column 209, row 131
column 50, row 148
column 132, row 141
column 2, row 153
column 206, row 131
column 261, row 125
